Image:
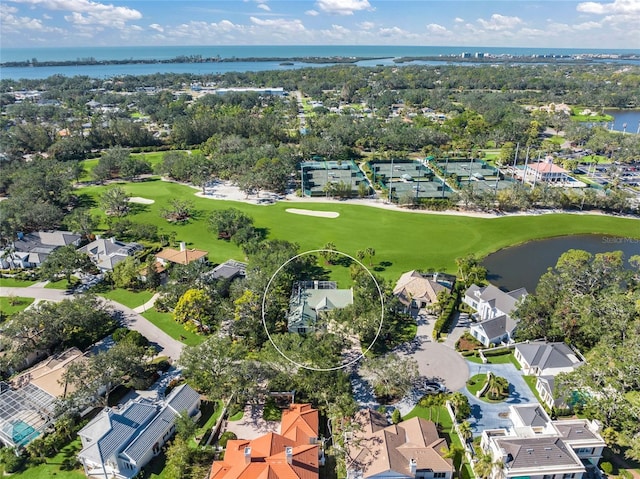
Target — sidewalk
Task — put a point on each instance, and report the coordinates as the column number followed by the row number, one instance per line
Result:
column 148, row 305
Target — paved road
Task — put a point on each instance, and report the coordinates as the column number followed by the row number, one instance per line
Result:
column 491, row 416
column 166, row 345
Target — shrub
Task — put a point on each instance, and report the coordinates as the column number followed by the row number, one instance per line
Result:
column 225, row 437
column 607, row 467
column 12, row 463
column 396, row 417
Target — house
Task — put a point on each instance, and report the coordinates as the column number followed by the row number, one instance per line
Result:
column 494, row 308
column 118, row 442
column 292, row 454
column 31, row 250
column 545, row 171
column 416, row 290
column 27, row 402
column 183, row 256
column 106, row 253
column 409, row 449
column 229, row 270
column 537, row 447
column 546, row 360
column 310, row 299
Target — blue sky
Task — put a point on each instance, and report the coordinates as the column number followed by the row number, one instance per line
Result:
column 518, row 23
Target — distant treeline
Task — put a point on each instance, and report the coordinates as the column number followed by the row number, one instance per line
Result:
column 179, row 59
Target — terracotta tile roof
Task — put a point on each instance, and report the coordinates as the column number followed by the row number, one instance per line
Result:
column 181, row 257
column 266, row 456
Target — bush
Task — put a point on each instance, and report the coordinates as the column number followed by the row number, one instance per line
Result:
column 607, row 467
column 12, row 463
column 225, row 437
column 396, row 417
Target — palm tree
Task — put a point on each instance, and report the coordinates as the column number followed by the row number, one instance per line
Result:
column 370, row 252
column 465, row 431
column 484, row 466
column 457, row 454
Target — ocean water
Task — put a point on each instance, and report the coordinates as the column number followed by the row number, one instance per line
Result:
column 279, row 51
column 378, row 55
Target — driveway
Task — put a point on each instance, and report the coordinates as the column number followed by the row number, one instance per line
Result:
column 494, row 415
column 252, row 425
column 165, row 344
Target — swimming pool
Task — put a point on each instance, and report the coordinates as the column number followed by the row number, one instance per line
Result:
column 23, row 433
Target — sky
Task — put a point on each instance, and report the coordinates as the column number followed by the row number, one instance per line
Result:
column 613, row 24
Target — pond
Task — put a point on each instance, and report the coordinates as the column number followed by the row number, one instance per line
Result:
column 518, row 266
column 624, row 120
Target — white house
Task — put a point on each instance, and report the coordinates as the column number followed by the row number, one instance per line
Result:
column 494, row 308
column 106, row 253
column 31, row 250
column 546, row 360
column 538, row 448
column 117, row 443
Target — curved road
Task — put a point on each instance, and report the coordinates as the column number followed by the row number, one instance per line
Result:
column 166, row 345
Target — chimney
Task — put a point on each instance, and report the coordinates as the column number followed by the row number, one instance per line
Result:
column 288, row 452
column 413, row 466
column 247, row 455
column 183, row 246
column 112, row 239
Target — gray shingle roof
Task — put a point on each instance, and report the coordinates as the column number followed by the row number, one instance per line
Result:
column 548, row 355
column 502, row 301
column 537, row 452
column 498, row 326
column 532, row 416
column 145, row 441
column 182, row 398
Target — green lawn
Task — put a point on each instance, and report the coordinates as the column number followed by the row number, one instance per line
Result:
column 15, row 283
column 61, row 284
column 497, row 359
column 475, row 383
column 402, row 240
column 131, row 299
column 19, row 304
column 176, row 330
column 211, row 411
column 51, row 468
column 531, row 382
column 237, row 416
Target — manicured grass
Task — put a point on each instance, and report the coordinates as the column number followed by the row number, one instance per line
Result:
column 497, row 359
column 577, row 116
column 402, row 240
column 61, row 284
column 438, row 414
column 166, row 322
column 478, row 382
column 15, row 283
column 237, row 416
column 19, row 304
column 531, row 382
column 211, row 411
column 131, row 299
column 51, row 468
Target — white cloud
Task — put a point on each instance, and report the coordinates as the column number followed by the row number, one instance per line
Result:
column 616, row 7
column 264, row 6
column 392, row 32
column 14, row 24
column 458, row 20
column 156, row 27
column 86, row 12
column 337, row 32
column 438, row 29
column 587, row 26
column 312, row 13
column 366, row 25
column 499, row 22
column 279, row 24
column 343, row 7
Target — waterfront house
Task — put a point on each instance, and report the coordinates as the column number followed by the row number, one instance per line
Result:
column 493, row 313
column 538, row 448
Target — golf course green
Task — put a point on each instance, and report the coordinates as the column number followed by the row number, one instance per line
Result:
column 402, row 240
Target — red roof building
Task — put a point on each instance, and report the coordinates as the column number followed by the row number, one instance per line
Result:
column 292, row 454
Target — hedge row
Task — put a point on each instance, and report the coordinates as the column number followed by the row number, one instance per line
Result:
column 444, row 320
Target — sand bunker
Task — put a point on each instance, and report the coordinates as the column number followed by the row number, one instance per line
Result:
column 319, row 214
column 142, row 201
